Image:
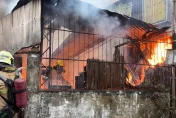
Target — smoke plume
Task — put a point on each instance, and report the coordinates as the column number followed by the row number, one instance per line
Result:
column 102, row 21
column 103, row 4
column 6, row 7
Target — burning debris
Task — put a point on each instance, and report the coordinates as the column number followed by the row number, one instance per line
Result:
column 159, row 53
column 155, row 56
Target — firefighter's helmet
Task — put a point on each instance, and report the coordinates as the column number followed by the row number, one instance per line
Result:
column 60, row 63
column 6, row 57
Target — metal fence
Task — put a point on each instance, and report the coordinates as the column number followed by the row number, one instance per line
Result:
column 75, row 56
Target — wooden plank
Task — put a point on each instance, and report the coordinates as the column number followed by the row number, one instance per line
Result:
column 101, row 73
column 7, row 32
column 108, row 75
column 18, row 27
column 36, row 22
column 122, row 71
column 105, row 75
column 88, row 75
column 119, row 69
column 115, row 78
column 28, row 22
column 80, row 81
column 94, row 82
column 96, row 71
column 1, row 37
column 92, row 74
column 102, row 76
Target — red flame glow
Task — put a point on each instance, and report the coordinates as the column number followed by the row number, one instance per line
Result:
column 157, row 58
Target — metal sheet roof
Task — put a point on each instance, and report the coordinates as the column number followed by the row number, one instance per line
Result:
column 68, row 16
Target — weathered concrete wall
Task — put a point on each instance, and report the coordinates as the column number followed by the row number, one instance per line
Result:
column 33, row 72
column 90, row 104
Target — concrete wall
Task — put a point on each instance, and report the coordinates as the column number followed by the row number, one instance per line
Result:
column 90, row 104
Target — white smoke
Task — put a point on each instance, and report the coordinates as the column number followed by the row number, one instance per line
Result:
column 103, row 4
column 6, row 7
column 102, row 22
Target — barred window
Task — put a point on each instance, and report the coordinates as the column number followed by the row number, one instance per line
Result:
column 98, row 50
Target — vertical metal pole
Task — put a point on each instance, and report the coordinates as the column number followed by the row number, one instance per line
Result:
column 41, row 44
column 174, row 15
column 173, row 91
column 173, row 24
column 50, row 79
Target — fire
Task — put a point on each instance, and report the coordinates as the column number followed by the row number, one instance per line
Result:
column 131, row 81
column 129, row 78
column 159, row 55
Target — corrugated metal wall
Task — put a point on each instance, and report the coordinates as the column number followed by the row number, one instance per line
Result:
column 21, row 28
column 151, row 11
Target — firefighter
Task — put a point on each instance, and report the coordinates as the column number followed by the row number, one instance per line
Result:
column 46, row 74
column 59, row 67
column 55, row 74
column 7, row 70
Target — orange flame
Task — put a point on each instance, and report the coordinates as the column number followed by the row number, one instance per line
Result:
column 159, row 54
column 129, row 79
column 158, row 57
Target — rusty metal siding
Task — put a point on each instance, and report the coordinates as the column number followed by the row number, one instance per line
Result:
column 158, row 12
column 132, row 8
column 154, row 11
column 21, row 28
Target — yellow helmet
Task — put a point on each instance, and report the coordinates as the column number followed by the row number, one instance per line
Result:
column 60, row 63
column 6, row 57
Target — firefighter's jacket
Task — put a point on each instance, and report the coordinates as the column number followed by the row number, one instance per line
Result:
column 3, row 88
